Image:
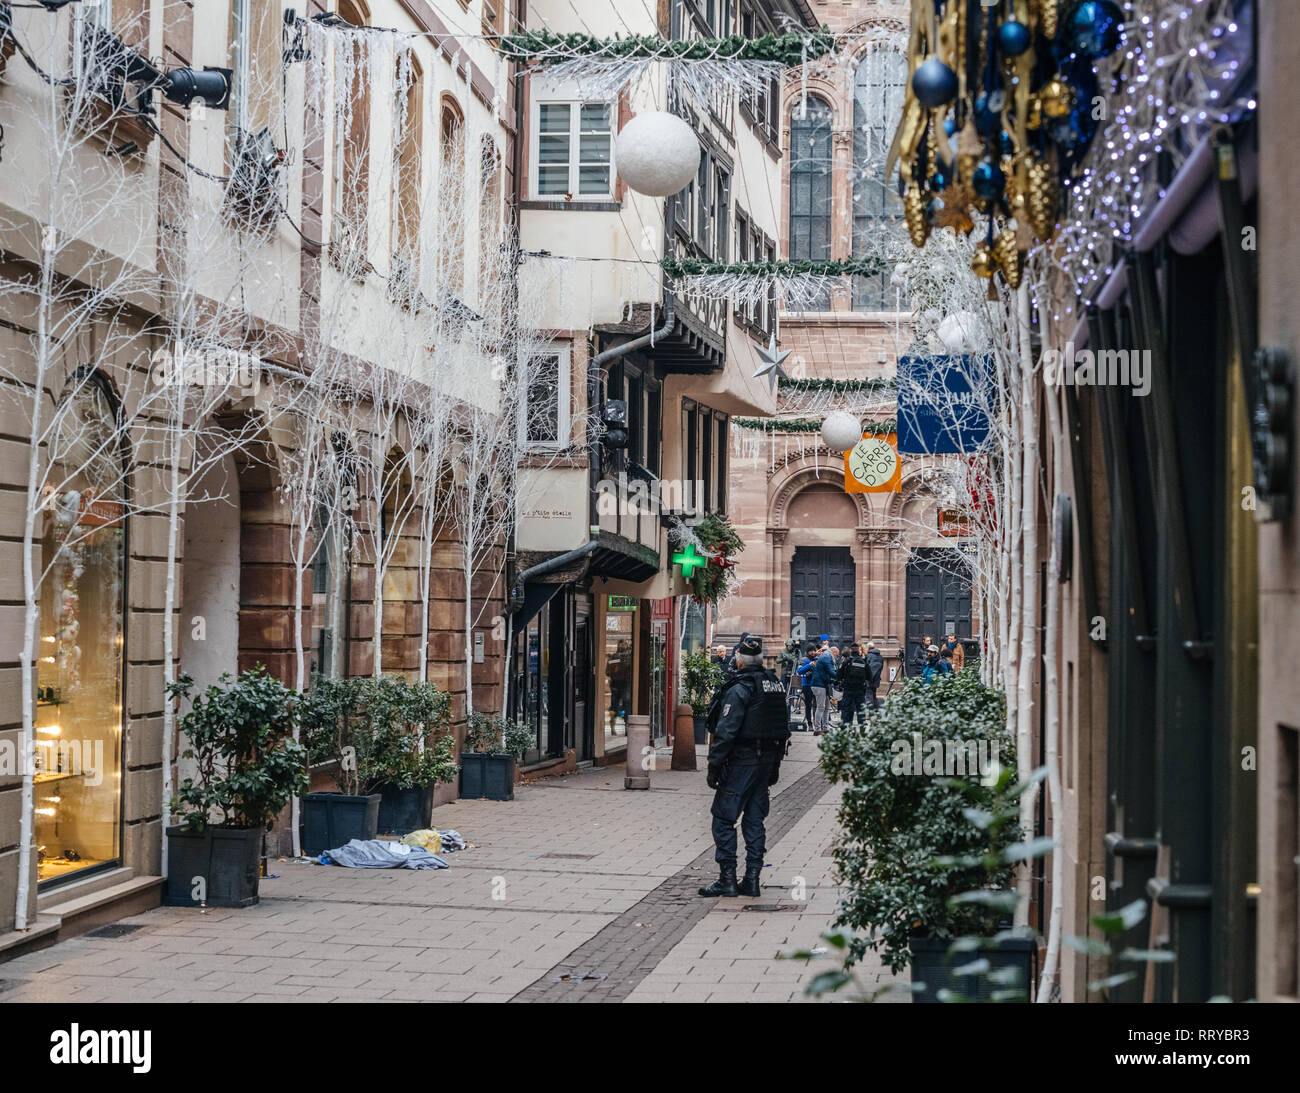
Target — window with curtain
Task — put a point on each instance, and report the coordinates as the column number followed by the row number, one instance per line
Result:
column 879, row 83
column 810, row 182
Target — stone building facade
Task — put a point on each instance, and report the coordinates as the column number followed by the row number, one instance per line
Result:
column 819, row 559
column 97, row 852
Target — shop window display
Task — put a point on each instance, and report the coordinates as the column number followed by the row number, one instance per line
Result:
column 79, row 673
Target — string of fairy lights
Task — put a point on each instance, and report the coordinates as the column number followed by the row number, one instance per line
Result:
column 1172, row 82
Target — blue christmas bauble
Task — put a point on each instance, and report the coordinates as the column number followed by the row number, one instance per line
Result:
column 1006, row 146
column 1095, row 28
column 1014, row 38
column 988, row 180
column 986, row 118
column 934, row 83
column 950, row 126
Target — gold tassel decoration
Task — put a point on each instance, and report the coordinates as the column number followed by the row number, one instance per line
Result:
column 982, row 262
column 914, row 213
column 1046, row 13
column 1007, row 256
column 1043, row 198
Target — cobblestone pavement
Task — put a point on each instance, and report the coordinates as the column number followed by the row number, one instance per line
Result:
column 575, row 891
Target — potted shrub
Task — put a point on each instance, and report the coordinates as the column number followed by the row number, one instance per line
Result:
column 388, row 742
column 928, row 845
column 409, row 749
column 493, row 746
column 332, row 718
column 700, row 678
column 240, row 736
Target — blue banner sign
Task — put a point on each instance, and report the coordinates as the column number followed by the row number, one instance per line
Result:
column 944, row 404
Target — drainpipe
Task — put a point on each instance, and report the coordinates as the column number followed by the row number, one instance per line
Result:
column 596, row 400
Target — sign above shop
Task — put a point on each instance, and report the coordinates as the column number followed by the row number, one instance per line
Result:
column 872, row 466
column 622, row 603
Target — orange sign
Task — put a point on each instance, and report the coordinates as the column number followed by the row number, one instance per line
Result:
column 100, row 513
column 872, row 465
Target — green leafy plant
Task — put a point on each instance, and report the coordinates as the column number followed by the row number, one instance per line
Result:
column 700, row 678
column 924, row 853
column 240, row 736
column 380, row 731
column 720, row 540
column 497, row 734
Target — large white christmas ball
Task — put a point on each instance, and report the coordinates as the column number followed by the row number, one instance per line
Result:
column 960, row 332
column 657, row 154
column 841, row 431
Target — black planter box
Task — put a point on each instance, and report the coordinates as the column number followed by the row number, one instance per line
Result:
column 332, row 819
column 490, row 776
column 932, row 966
column 402, row 811
column 227, row 859
column 701, row 729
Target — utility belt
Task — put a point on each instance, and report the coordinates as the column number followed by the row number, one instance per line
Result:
column 758, row 748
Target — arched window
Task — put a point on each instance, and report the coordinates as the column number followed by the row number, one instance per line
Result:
column 810, row 181
column 408, row 142
column 451, row 189
column 878, row 86
column 78, row 752
column 352, row 147
column 489, row 212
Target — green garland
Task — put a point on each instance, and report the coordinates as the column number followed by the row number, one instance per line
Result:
column 840, row 387
column 806, row 425
column 830, row 267
column 717, row 535
column 548, row 47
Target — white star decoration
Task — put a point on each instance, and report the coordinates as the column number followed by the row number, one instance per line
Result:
column 772, row 361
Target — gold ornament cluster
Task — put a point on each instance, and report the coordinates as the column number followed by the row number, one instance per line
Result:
column 938, row 169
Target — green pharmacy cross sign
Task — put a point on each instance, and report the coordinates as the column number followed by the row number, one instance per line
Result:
column 689, row 560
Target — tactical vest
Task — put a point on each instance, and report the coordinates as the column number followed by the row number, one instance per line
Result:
column 855, row 674
column 767, row 717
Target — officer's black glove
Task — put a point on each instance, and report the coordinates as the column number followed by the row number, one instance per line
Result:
column 774, row 777
column 714, row 777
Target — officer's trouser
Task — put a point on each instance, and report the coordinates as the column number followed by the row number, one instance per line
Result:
column 744, row 793
column 853, row 705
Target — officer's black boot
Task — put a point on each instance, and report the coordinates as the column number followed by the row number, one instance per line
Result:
column 749, row 886
column 725, row 885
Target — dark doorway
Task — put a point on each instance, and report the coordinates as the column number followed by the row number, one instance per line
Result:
column 581, row 728
column 938, row 599
column 822, row 581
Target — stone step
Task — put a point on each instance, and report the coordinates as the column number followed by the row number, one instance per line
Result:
column 97, row 882
column 82, row 911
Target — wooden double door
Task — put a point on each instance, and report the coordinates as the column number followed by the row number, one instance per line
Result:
column 822, row 592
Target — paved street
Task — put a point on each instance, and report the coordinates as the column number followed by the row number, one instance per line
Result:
column 576, row 891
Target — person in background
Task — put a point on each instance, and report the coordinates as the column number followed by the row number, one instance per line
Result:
column 922, row 653
column 823, row 675
column 956, row 652
column 875, row 668
column 788, row 659
column 854, row 678
column 804, row 672
column 719, row 656
column 733, row 664
column 936, row 667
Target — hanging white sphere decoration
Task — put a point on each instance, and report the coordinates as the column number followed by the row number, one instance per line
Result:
column 960, row 332
column 657, row 154
column 841, row 430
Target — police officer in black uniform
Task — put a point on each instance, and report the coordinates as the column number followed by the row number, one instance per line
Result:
column 854, row 677
column 751, row 730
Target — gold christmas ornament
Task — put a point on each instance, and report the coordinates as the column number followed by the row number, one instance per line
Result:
column 1043, row 199
column 1056, row 98
column 1034, row 115
column 914, row 213
column 982, row 262
column 1006, row 254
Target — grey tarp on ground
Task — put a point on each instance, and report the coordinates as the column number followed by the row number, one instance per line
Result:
column 377, row 854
